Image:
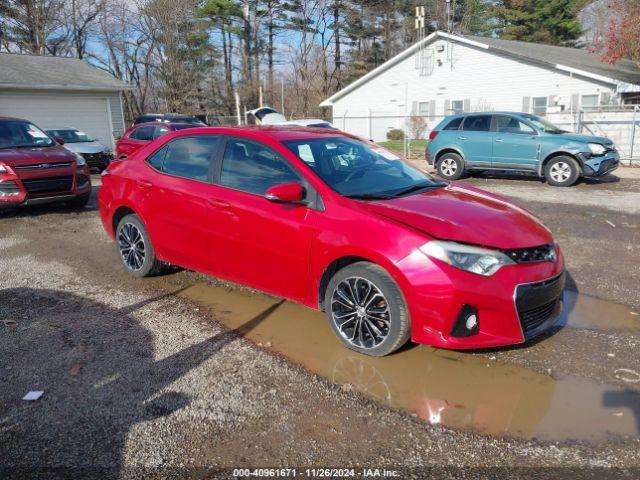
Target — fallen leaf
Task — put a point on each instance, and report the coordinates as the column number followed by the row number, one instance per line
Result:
column 75, row 369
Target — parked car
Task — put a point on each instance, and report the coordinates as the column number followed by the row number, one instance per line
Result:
column 269, row 116
column 97, row 155
column 35, row 169
column 517, row 142
column 330, row 221
column 167, row 118
column 139, row 135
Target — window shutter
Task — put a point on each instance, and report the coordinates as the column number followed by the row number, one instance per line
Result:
column 575, row 101
column 467, row 104
column 550, row 102
column 526, row 104
column 414, row 108
column 447, row 106
column 605, row 98
column 432, row 108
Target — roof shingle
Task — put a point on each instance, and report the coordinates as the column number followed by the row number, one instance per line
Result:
column 42, row 72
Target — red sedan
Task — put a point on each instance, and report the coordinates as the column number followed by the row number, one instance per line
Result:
column 138, row 136
column 338, row 224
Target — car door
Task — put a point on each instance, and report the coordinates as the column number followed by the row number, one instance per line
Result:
column 176, row 189
column 515, row 144
column 476, row 140
column 265, row 244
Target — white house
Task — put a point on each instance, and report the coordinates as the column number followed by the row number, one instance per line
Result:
column 61, row 91
column 446, row 73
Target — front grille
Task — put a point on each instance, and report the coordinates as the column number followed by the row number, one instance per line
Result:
column 532, row 319
column 537, row 303
column 38, row 166
column 48, row 185
column 542, row 253
column 97, row 159
column 608, row 164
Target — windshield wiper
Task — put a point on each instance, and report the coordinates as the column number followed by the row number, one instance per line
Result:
column 370, row 196
column 419, row 187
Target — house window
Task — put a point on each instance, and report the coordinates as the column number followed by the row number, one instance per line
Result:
column 457, row 106
column 539, row 105
column 589, row 101
column 423, row 108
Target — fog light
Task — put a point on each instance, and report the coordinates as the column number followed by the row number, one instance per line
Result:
column 467, row 322
column 472, row 321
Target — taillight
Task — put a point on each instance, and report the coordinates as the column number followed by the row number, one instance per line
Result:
column 433, row 134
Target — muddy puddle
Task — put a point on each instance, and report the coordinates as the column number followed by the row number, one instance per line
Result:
column 455, row 389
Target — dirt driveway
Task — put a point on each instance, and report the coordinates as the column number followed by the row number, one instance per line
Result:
column 180, row 375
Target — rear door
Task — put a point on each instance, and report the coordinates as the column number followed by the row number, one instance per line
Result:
column 515, row 144
column 176, row 189
column 261, row 243
column 476, row 140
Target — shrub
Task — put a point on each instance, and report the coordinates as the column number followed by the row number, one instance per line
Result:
column 395, row 134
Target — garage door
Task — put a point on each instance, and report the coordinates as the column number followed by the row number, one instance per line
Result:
column 89, row 114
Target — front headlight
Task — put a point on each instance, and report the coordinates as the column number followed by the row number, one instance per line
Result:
column 80, row 161
column 596, row 148
column 482, row 261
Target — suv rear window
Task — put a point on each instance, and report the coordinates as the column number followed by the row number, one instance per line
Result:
column 477, row 123
column 454, row 124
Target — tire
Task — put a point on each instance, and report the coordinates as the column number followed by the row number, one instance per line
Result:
column 450, row 166
column 142, row 261
column 562, row 171
column 357, row 331
column 80, row 201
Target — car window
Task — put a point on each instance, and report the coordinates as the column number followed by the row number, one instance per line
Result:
column 254, row 168
column 159, row 131
column 157, row 158
column 454, row 124
column 142, row 133
column 506, row 124
column 477, row 123
column 19, row 134
column 190, row 157
column 355, row 168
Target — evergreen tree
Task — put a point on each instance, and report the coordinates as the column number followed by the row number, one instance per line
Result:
column 553, row 22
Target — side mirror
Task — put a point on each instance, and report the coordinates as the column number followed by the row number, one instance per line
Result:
column 59, row 140
column 285, row 193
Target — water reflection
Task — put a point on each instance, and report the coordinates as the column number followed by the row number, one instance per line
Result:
column 456, row 389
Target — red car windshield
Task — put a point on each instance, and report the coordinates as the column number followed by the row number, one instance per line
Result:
column 17, row 134
column 355, row 169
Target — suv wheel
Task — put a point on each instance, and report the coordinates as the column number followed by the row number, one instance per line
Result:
column 450, row 166
column 562, row 171
column 366, row 309
column 135, row 249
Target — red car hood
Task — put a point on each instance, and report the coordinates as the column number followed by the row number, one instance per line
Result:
column 468, row 215
column 29, row 156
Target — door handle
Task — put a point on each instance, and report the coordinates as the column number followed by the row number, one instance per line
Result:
column 462, row 138
column 498, row 140
column 144, row 184
column 218, row 203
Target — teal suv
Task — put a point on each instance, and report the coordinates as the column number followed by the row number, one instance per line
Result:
column 509, row 141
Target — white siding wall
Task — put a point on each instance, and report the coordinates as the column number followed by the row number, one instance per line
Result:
column 486, row 80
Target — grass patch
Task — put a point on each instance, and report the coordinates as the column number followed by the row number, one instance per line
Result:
column 416, row 147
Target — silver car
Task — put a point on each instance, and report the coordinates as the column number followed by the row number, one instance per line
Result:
column 97, row 155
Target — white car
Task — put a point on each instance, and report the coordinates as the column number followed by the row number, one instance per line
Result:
column 269, row 116
column 97, row 155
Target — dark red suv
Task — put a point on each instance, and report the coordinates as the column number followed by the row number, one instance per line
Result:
column 35, row 169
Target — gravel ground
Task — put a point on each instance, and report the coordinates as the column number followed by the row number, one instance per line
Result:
column 140, row 383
